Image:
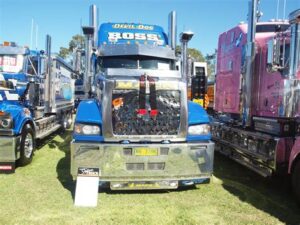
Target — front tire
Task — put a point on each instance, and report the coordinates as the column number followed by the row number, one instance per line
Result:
column 296, row 180
column 27, row 146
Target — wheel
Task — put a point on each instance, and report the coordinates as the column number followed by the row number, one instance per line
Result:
column 296, row 180
column 27, row 146
column 70, row 120
column 66, row 121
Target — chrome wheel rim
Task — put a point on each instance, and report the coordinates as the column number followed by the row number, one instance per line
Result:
column 28, row 145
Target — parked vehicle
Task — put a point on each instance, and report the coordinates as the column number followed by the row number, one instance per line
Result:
column 140, row 131
column 36, row 99
column 257, row 96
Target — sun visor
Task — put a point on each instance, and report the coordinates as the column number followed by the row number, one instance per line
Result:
column 9, row 50
column 136, row 49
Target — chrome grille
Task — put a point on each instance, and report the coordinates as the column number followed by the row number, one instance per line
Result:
column 126, row 121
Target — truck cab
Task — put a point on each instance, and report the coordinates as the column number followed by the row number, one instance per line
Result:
column 141, row 132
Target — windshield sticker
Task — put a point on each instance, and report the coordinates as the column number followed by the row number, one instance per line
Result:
column 8, row 61
column 11, row 63
column 132, row 26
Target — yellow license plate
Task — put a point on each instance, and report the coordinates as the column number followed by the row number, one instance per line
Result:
column 198, row 101
column 146, row 151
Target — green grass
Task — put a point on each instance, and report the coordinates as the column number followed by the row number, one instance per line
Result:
column 42, row 193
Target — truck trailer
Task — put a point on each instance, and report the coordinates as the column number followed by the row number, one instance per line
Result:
column 36, row 99
column 140, row 131
column 257, row 108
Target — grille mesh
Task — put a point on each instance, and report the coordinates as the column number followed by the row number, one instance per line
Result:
column 126, row 121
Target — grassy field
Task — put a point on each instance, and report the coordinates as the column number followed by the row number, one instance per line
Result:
column 42, row 193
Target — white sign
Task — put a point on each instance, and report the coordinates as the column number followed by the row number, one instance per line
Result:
column 87, row 186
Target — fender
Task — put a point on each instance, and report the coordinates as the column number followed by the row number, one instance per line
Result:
column 197, row 115
column 19, row 114
column 295, row 154
column 89, row 111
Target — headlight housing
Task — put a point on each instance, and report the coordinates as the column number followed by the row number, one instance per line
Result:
column 201, row 129
column 6, row 122
column 87, row 129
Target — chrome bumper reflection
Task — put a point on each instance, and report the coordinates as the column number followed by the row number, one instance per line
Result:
column 140, row 162
column 9, row 148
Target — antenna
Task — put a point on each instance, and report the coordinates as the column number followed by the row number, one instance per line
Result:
column 80, row 30
column 31, row 33
column 277, row 10
column 36, row 36
column 284, row 5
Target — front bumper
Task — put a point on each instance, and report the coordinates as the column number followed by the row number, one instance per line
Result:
column 9, row 152
column 9, row 148
column 119, row 163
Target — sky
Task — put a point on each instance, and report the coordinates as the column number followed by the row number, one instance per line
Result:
column 63, row 18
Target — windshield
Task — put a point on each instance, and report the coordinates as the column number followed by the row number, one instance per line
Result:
column 134, row 62
column 11, row 63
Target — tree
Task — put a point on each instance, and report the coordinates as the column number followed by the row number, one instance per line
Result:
column 211, row 64
column 192, row 52
column 63, row 52
column 76, row 42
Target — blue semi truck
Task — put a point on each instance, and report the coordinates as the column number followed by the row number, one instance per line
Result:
column 36, row 99
column 140, row 131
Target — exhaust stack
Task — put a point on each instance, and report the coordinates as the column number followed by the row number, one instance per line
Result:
column 48, row 79
column 94, row 23
column 185, row 37
column 90, row 33
column 250, row 55
column 172, row 30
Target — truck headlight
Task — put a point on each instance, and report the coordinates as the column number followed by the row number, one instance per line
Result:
column 201, row 129
column 86, row 129
column 6, row 121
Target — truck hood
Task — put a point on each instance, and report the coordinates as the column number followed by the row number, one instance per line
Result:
column 12, row 108
column 20, row 81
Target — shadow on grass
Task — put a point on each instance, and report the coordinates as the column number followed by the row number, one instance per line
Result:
column 63, row 165
column 272, row 195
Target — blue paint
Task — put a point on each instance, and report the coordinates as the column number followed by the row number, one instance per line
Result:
column 78, row 82
column 191, row 138
column 20, row 77
column 88, row 138
column 17, row 113
column 197, row 115
column 89, row 112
